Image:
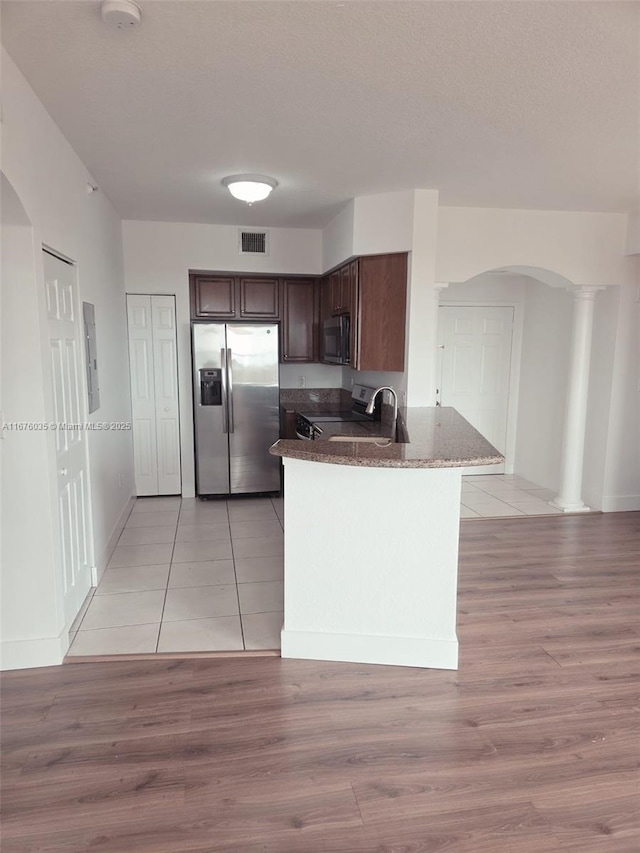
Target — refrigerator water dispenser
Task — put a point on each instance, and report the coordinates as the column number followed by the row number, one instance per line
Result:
column 210, row 387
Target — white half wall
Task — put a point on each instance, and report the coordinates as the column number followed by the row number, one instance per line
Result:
column 379, row 589
column 51, row 184
column 157, row 259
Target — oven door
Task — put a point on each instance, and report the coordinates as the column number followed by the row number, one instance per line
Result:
column 336, row 340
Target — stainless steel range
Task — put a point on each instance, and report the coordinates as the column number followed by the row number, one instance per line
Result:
column 309, row 424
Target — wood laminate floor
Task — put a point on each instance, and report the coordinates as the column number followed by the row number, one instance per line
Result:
column 530, row 747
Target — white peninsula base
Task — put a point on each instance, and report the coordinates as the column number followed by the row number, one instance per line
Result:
column 371, row 562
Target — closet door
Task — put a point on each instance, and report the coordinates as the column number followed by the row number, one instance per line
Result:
column 165, row 370
column 154, row 394
column 143, row 397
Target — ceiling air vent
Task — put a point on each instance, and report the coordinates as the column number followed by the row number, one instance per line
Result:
column 254, row 242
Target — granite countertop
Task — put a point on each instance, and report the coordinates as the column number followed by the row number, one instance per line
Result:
column 438, row 437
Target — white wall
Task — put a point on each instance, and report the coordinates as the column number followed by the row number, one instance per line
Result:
column 486, row 289
column 622, row 468
column 543, row 381
column 632, row 245
column 157, row 259
column 28, row 572
column 337, row 238
column 422, row 301
column 603, row 346
column 313, row 376
column 585, row 248
column 51, row 182
column 383, row 223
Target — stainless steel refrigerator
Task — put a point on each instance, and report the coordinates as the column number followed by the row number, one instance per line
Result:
column 236, row 407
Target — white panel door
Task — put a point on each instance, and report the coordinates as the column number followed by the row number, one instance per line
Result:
column 154, row 394
column 475, row 367
column 143, row 398
column 64, row 328
column 165, row 369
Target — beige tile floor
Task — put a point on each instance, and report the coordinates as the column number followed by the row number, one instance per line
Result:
column 498, row 495
column 190, row 575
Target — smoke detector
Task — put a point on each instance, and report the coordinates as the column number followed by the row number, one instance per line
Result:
column 122, row 14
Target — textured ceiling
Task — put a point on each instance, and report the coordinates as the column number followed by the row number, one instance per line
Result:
column 497, row 104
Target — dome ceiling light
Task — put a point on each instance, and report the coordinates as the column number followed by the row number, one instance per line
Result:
column 249, row 188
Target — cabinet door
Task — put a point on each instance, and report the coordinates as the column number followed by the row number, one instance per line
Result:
column 325, row 311
column 382, row 286
column 143, row 395
column 335, row 281
column 353, row 310
column 165, row 370
column 345, row 289
column 259, row 298
column 213, row 296
column 299, row 320
column 154, row 394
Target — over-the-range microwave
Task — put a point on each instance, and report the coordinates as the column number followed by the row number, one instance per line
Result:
column 335, row 334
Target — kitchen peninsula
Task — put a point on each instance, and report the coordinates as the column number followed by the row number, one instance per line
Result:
column 371, row 541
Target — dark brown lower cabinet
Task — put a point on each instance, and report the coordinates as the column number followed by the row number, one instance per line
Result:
column 299, row 320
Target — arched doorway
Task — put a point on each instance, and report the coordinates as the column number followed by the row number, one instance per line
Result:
column 539, row 378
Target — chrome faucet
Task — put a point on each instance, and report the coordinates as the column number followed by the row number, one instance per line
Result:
column 372, row 401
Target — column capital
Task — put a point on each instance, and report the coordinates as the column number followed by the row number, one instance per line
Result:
column 585, row 291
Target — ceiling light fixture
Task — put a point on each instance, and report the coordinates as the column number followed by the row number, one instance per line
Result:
column 249, row 188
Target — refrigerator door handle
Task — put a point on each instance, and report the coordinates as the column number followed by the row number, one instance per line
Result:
column 230, row 380
column 225, row 411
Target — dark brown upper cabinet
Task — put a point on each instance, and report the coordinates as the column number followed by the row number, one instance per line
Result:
column 213, row 296
column 372, row 289
column 380, row 318
column 223, row 297
column 259, row 298
column 340, row 291
column 299, row 320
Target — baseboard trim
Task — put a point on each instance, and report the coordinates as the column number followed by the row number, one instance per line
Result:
column 361, row 648
column 155, row 656
column 29, row 654
column 102, row 563
column 620, row 503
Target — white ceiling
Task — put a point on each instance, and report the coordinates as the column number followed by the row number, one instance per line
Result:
column 497, row 104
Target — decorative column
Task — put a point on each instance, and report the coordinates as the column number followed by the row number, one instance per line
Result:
column 569, row 499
